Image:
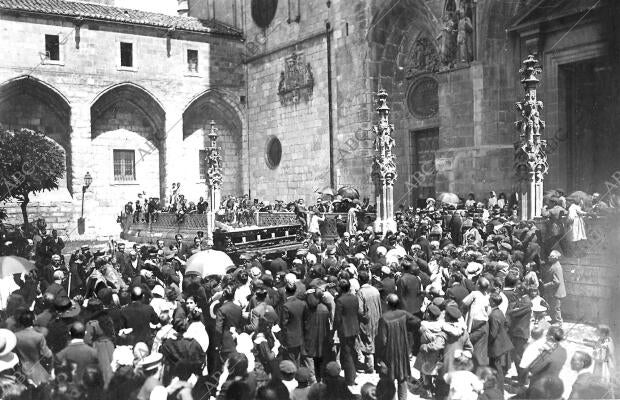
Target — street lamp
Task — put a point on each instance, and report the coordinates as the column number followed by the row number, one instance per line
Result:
column 87, row 181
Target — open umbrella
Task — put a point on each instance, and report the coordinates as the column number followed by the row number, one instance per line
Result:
column 328, row 191
column 349, row 192
column 448, row 198
column 10, row 265
column 579, row 195
column 209, row 262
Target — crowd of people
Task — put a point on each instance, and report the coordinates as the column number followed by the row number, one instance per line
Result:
column 461, row 293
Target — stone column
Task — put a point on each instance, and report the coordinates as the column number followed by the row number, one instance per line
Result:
column 530, row 157
column 214, row 181
column 384, row 169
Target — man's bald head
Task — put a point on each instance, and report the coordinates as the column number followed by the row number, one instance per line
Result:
column 48, row 298
column 392, row 300
column 136, row 293
column 77, row 330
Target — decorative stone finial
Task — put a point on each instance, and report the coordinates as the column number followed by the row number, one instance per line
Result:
column 530, row 157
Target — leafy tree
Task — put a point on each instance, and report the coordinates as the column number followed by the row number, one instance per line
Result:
column 29, row 163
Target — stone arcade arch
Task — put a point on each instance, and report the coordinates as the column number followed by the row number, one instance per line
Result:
column 207, row 106
column 404, row 47
column 126, row 118
column 27, row 102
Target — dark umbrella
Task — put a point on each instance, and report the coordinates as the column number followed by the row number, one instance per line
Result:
column 349, row 192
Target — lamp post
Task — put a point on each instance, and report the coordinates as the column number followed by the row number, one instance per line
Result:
column 81, row 222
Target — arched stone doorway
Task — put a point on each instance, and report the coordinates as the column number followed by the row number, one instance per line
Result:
column 212, row 105
column 405, row 49
column 26, row 102
column 128, row 143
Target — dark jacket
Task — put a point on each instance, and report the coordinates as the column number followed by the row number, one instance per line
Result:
column 518, row 317
column 227, row 316
column 409, row 290
column 346, row 320
column 457, row 292
column 548, row 363
column 277, row 265
column 80, row 354
column 138, row 316
column 294, row 314
column 499, row 342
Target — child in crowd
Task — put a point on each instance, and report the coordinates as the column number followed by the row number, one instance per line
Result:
column 604, row 362
column 464, row 384
column 492, row 391
column 302, row 376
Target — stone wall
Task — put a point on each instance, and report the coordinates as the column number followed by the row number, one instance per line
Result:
column 35, row 92
column 371, row 49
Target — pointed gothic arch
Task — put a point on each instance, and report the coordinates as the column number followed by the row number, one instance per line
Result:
column 28, row 102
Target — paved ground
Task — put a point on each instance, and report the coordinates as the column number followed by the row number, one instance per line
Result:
column 575, row 334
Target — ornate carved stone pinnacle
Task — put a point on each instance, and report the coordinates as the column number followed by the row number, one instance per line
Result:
column 384, row 167
column 530, row 157
column 214, row 160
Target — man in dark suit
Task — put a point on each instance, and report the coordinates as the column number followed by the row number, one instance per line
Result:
column 499, row 341
column 56, row 244
column 122, row 258
column 228, row 316
column 183, row 250
column 32, row 350
column 294, row 313
column 457, row 291
column 456, row 227
column 409, row 289
column 518, row 316
column 387, row 285
column 346, row 323
column 77, row 352
column 138, row 317
column 554, row 288
column 394, row 329
column 131, row 266
column 277, row 265
column 343, row 245
column 550, row 361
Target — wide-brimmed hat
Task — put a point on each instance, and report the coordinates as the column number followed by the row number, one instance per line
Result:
column 473, row 269
column 8, row 340
column 66, row 307
column 151, row 362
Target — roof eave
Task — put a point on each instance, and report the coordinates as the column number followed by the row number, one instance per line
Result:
column 236, row 35
column 526, row 25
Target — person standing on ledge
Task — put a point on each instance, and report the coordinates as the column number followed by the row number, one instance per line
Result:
column 555, row 290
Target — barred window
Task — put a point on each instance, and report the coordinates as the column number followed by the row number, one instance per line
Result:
column 192, row 60
column 202, row 163
column 52, row 47
column 126, row 54
column 124, row 165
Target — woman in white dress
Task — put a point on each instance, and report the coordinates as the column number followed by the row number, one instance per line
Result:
column 577, row 227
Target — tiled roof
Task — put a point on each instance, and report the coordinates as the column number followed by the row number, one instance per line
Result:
column 116, row 14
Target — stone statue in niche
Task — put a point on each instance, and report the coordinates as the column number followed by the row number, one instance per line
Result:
column 456, row 41
column 464, row 38
column 447, row 42
column 422, row 58
column 296, row 81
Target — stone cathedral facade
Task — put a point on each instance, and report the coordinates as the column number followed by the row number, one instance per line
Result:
column 128, row 95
